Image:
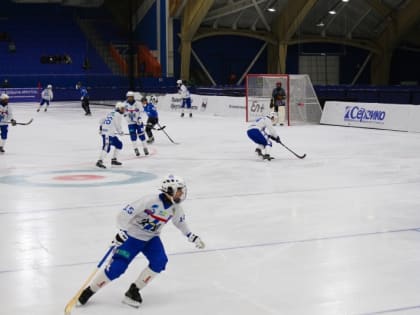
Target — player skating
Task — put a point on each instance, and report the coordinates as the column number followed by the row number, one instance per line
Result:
column 135, row 123
column 152, row 116
column 46, row 97
column 141, row 223
column 262, row 132
column 84, row 98
column 186, row 98
column 6, row 115
column 109, row 128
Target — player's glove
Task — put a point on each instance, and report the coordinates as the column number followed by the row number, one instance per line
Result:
column 277, row 139
column 119, row 238
column 196, row 240
column 13, row 122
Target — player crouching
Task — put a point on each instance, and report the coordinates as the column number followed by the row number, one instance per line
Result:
column 262, row 132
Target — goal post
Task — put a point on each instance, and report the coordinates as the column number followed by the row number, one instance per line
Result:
column 301, row 102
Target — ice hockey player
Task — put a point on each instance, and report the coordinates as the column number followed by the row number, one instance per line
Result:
column 5, row 116
column 262, row 132
column 141, row 223
column 135, row 123
column 46, row 97
column 186, row 98
column 109, row 128
column 84, row 98
column 278, row 103
column 152, row 116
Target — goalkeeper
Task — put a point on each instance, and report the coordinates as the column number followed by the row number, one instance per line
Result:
column 278, row 103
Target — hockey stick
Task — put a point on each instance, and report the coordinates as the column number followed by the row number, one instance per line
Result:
column 23, row 124
column 73, row 301
column 294, row 153
column 162, row 128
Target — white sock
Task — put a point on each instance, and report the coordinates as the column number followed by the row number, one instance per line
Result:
column 100, row 281
column 145, row 277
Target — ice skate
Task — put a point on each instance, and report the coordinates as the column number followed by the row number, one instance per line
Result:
column 115, row 162
column 85, row 296
column 45, row 109
column 150, row 140
column 37, row 110
column 267, row 157
column 136, row 151
column 190, row 115
column 182, row 114
column 100, row 164
column 258, row 151
column 1, row 150
column 132, row 296
column 146, row 151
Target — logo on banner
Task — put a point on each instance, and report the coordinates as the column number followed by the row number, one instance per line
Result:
column 256, row 107
column 360, row 114
column 176, row 103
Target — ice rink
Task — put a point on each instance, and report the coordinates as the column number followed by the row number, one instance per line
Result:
column 337, row 233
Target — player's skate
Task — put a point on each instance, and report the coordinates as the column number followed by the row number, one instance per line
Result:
column 258, row 151
column 267, row 157
column 151, row 140
column 1, row 150
column 38, row 109
column 45, row 109
column 190, row 115
column 85, row 296
column 182, row 114
column 146, row 151
column 115, row 162
column 137, row 152
column 100, row 164
column 132, row 296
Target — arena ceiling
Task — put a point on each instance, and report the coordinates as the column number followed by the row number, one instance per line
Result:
column 370, row 24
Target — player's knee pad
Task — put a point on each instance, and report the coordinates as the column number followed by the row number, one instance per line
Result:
column 158, row 264
column 117, row 143
column 116, row 268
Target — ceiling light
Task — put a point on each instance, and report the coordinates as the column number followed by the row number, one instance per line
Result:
column 320, row 24
column 271, row 10
column 332, row 12
column 345, row 0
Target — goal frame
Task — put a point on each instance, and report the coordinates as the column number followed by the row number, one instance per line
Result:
column 269, row 75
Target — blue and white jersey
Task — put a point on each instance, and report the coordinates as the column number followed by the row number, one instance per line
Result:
column 47, row 94
column 265, row 125
column 83, row 93
column 150, row 110
column 144, row 218
column 132, row 113
column 184, row 91
column 5, row 114
column 111, row 124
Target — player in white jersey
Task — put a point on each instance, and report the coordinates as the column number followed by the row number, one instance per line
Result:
column 135, row 123
column 186, row 97
column 109, row 128
column 262, row 132
column 6, row 116
column 141, row 223
column 46, row 96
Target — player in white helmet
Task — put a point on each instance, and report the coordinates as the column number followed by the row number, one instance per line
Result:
column 46, row 97
column 140, row 224
column 135, row 124
column 109, row 129
column 186, row 98
column 262, row 132
column 6, row 116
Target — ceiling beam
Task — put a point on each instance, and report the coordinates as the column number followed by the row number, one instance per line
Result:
column 231, row 8
column 204, row 32
column 402, row 22
column 194, row 13
column 289, row 20
column 261, row 15
column 379, row 7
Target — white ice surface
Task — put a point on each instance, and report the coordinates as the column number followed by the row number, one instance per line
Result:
column 336, row 233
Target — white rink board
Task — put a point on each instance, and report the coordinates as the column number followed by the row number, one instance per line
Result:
column 372, row 115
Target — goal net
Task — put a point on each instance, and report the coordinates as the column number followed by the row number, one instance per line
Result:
column 301, row 102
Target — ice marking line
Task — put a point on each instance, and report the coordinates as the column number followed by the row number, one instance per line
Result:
column 239, row 247
column 401, row 309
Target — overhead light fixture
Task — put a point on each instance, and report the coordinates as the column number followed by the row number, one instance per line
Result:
column 332, row 12
column 345, row 0
column 320, row 24
column 271, row 10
